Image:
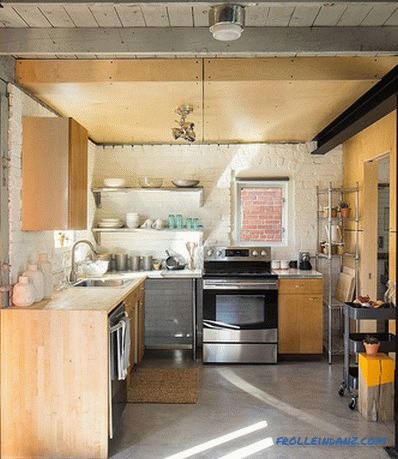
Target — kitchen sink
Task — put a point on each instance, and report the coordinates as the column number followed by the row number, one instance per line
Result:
column 102, row 283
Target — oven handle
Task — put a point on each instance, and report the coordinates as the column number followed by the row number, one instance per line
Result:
column 220, row 325
column 209, row 285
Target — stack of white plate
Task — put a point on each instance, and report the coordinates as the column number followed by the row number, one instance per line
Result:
column 110, row 223
column 132, row 220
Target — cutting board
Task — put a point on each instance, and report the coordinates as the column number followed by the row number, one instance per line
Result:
column 345, row 287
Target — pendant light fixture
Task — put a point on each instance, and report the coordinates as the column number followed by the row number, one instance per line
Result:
column 227, row 22
column 185, row 130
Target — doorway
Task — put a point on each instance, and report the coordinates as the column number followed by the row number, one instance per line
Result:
column 383, row 225
column 376, row 229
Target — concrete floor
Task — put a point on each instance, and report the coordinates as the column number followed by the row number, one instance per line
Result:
column 288, row 399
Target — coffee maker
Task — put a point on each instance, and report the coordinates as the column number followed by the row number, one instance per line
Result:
column 304, row 261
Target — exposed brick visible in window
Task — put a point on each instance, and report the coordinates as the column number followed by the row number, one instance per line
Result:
column 261, row 214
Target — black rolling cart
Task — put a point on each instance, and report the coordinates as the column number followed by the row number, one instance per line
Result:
column 353, row 342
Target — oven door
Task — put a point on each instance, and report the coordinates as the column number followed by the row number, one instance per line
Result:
column 240, row 311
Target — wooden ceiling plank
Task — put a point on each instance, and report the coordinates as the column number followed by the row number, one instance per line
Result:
column 392, row 20
column 155, row 15
column 56, row 15
column 268, row 111
column 301, row 68
column 81, row 15
column 32, row 16
column 329, row 15
column 379, row 15
column 201, row 15
column 10, row 18
column 304, row 16
column 50, row 71
column 105, row 15
column 279, row 16
column 180, row 15
column 256, row 16
column 354, row 15
column 130, row 15
column 131, row 107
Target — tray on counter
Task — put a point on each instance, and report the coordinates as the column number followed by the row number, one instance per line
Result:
column 387, row 341
column 358, row 312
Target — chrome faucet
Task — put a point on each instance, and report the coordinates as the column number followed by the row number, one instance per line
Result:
column 73, row 273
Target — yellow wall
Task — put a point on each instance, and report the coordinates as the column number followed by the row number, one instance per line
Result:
column 376, row 140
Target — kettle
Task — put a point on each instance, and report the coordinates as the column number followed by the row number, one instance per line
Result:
column 304, row 261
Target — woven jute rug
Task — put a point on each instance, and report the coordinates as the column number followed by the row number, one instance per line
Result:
column 164, row 385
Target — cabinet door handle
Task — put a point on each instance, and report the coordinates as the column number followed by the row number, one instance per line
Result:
column 299, row 286
column 313, row 298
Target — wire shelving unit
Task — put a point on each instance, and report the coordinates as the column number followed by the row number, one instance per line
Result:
column 328, row 197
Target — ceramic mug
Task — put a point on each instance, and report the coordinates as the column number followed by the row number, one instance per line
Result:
column 275, row 264
column 147, row 224
column 158, row 224
column 284, row 264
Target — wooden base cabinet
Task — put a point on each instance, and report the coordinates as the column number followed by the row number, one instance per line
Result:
column 55, row 379
column 300, row 320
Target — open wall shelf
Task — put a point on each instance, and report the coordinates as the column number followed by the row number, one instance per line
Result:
column 97, row 232
column 195, row 191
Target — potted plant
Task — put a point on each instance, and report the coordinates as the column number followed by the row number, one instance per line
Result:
column 345, row 209
column 372, row 345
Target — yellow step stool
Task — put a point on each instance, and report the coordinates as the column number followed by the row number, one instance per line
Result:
column 376, row 387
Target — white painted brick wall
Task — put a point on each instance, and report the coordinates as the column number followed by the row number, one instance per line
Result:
column 215, row 166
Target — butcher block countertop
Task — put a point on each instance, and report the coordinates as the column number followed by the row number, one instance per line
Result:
column 103, row 299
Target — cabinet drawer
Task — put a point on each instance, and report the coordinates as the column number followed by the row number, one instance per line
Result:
column 300, row 286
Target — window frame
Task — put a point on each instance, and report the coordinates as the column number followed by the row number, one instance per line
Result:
column 263, row 183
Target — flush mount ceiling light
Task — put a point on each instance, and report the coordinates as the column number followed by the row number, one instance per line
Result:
column 226, row 22
column 185, row 130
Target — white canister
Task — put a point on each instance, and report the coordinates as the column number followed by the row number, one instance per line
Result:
column 275, row 264
column 23, row 293
column 46, row 268
column 284, row 264
column 37, row 280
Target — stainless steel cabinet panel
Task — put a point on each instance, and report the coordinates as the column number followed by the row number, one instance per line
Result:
column 168, row 312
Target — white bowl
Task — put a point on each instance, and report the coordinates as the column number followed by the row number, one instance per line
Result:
column 115, row 182
column 185, row 183
column 110, row 225
column 95, row 268
column 132, row 225
column 150, row 182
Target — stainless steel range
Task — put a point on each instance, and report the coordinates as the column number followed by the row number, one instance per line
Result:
column 240, row 306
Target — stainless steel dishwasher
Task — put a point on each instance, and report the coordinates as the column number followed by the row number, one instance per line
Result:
column 117, row 387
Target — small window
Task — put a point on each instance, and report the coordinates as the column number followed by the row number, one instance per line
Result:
column 262, row 212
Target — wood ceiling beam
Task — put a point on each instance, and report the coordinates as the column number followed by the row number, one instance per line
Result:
column 192, row 41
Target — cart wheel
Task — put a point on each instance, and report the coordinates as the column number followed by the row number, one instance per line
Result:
column 353, row 403
column 341, row 390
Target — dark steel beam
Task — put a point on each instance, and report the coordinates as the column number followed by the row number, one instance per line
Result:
column 373, row 105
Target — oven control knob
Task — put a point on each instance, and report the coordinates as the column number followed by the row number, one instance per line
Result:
column 209, row 253
column 255, row 253
column 218, row 253
column 263, row 253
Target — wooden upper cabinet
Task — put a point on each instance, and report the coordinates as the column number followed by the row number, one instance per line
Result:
column 54, row 173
